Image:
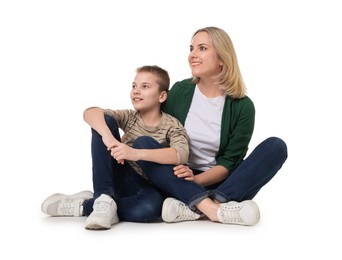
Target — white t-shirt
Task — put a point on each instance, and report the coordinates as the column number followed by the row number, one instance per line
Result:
column 203, row 125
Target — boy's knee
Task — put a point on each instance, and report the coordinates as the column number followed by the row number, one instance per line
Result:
column 145, row 142
column 110, row 121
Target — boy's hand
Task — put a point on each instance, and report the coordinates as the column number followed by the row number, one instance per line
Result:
column 123, row 152
column 111, row 143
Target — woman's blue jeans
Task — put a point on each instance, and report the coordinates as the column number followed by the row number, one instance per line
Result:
column 242, row 184
column 137, row 199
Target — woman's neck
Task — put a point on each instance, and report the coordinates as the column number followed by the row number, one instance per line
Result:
column 209, row 88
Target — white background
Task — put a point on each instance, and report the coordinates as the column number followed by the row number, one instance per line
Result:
column 59, row 57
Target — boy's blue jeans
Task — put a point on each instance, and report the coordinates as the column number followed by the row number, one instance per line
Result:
column 137, row 199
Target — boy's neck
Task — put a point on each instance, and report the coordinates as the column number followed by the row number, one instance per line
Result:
column 151, row 118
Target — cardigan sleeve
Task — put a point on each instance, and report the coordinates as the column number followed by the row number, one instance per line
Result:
column 236, row 133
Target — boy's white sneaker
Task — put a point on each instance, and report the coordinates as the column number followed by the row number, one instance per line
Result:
column 61, row 205
column 104, row 213
column 241, row 213
column 176, row 211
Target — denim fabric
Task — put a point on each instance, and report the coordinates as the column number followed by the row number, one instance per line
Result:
column 242, row 184
column 140, row 201
column 254, row 172
column 136, row 198
column 162, row 176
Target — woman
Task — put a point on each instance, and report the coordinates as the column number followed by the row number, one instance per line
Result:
column 219, row 118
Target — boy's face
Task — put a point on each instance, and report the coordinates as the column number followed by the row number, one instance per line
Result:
column 145, row 93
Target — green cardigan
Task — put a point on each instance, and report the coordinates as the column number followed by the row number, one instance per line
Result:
column 237, row 123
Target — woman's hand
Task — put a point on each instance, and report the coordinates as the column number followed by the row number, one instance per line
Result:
column 182, row 171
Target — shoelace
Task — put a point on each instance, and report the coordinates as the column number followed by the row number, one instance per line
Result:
column 184, row 213
column 231, row 214
column 67, row 208
column 101, row 207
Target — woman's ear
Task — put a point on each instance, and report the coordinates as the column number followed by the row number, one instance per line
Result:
column 163, row 96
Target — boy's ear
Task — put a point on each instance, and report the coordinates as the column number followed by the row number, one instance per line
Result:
column 163, row 96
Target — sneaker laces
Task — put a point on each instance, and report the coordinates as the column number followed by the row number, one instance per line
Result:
column 230, row 214
column 101, row 206
column 68, row 208
column 185, row 213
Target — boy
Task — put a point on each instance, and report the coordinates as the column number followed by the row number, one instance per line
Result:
column 151, row 138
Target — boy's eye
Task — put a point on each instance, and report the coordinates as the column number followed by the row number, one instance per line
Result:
column 145, row 86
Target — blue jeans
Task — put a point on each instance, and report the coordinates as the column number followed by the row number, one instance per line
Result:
column 137, row 199
column 242, row 184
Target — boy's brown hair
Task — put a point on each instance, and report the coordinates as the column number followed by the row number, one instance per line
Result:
column 163, row 78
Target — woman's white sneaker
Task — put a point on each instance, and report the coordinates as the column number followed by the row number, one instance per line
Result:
column 61, row 205
column 104, row 214
column 241, row 213
column 176, row 211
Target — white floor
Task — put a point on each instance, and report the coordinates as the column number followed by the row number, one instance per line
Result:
column 291, row 227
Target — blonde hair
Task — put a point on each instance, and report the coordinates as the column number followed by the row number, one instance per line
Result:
column 229, row 79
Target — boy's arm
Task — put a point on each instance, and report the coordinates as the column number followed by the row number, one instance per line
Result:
column 161, row 155
column 94, row 116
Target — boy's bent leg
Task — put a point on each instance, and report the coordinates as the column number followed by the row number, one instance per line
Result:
column 139, row 201
column 105, row 168
column 105, row 172
column 162, row 176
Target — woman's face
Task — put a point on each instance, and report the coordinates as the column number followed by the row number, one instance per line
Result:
column 203, row 58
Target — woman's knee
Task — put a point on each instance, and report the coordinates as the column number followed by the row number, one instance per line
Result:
column 277, row 145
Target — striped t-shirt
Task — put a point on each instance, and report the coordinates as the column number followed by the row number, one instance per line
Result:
column 169, row 133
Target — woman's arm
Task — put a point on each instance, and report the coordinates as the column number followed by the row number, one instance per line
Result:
column 214, row 175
